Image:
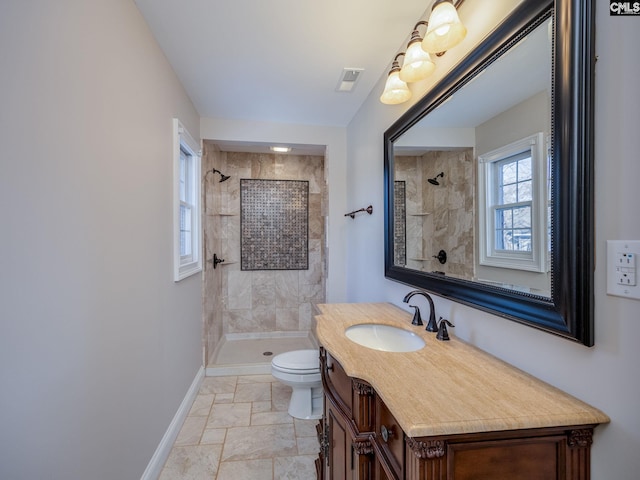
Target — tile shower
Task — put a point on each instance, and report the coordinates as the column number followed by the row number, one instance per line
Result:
column 438, row 217
column 245, row 303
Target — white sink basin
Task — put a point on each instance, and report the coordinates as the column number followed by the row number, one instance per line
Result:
column 384, row 337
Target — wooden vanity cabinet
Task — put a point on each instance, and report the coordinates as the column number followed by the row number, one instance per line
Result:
column 361, row 440
column 347, row 426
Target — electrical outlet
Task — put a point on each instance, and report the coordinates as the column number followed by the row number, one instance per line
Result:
column 626, row 276
column 621, row 268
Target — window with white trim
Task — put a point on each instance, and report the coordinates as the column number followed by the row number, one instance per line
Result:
column 186, row 192
column 512, row 206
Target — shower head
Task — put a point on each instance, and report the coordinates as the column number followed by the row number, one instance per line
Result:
column 434, row 180
column 223, row 177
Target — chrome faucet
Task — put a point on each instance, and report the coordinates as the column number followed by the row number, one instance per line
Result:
column 432, row 326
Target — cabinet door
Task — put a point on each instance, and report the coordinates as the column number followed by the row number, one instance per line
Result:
column 339, row 446
column 349, row 458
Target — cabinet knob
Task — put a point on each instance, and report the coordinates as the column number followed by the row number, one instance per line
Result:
column 386, row 433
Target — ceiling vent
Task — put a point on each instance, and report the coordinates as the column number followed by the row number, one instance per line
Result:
column 348, row 79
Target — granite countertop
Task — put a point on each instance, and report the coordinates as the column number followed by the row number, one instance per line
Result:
column 449, row 387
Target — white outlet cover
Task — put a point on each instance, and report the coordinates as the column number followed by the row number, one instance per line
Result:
column 614, row 249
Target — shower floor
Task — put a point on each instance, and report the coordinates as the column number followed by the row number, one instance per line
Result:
column 238, row 354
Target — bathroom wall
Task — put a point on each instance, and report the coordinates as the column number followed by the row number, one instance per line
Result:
column 604, row 375
column 262, row 301
column 439, row 217
column 98, row 344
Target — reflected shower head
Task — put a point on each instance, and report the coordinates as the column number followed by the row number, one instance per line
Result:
column 434, row 180
column 223, row 177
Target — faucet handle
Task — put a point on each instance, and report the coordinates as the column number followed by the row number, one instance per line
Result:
column 417, row 318
column 443, row 334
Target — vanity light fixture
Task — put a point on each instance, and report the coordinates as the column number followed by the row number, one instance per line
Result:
column 395, row 90
column 281, row 149
column 418, row 64
column 445, row 29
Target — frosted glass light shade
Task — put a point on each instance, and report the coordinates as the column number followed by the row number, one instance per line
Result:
column 417, row 65
column 395, row 90
column 445, row 29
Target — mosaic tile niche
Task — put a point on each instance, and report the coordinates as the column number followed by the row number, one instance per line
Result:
column 259, row 301
column 274, row 224
column 400, row 223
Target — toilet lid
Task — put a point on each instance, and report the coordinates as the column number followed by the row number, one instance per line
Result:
column 298, row 360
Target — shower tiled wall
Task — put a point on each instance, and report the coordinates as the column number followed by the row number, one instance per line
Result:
column 237, row 301
column 212, row 230
column 439, row 217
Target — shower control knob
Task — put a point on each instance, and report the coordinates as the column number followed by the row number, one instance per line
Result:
column 442, row 256
column 215, row 260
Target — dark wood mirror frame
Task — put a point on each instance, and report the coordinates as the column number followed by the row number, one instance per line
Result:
column 569, row 311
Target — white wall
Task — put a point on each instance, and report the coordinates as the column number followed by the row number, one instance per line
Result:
column 335, row 140
column 98, row 346
column 606, row 375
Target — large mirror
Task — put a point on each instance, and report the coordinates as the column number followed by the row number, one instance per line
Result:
column 488, row 189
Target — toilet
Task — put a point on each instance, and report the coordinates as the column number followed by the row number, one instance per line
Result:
column 300, row 369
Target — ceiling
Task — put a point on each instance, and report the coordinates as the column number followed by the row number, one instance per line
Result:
column 280, row 60
column 520, row 73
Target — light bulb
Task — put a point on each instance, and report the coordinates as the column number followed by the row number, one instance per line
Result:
column 445, row 29
column 395, row 90
column 418, row 64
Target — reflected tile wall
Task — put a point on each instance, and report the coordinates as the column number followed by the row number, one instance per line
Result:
column 408, row 169
column 260, row 301
column 439, row 217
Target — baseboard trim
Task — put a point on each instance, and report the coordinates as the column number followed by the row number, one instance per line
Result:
column 154, row 468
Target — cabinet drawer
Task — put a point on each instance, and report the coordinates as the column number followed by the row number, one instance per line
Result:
column 389, row 437
column 339, row 383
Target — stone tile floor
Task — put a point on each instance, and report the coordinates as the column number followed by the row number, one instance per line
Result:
column 239, row 429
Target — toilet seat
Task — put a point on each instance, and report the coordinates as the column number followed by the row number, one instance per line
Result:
column 300, row 370
column 298, row 361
